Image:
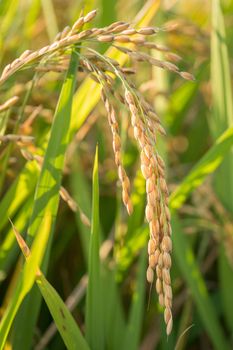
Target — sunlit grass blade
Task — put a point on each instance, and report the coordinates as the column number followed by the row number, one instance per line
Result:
column 18, row 192
column 47, row 193
column 26, row 279
column 207, row 165
column 4, row 117
column 225, row 270
column 64, row 321
column 114, row 320
column 47, row 198
column 9, row 250
column 222, row 118
column 190, row 271
column 94, row 316
column 137, row 307
column 82, row 196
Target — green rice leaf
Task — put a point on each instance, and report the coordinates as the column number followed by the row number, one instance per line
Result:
column 47, row 198
column 9, row 248
column 64, row 321
column 207, row 165
column 225, row 269
column 82, row 196
column 18, row 193
column 94, row 330
column 137, row 307
column 26, row 279
column 191, row 273
column 114, row 320
column 222, row 118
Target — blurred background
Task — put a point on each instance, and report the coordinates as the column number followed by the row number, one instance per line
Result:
column 195, row 115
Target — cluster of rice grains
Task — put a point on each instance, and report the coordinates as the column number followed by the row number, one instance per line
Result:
column 144, row 121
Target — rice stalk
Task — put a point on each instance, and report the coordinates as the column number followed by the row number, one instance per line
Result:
column 144, row 121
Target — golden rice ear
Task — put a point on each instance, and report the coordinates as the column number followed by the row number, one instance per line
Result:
column 144, row 121
column 116, row 142
column 157, row 212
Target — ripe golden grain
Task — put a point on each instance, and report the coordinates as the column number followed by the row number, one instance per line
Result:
column 145, row 125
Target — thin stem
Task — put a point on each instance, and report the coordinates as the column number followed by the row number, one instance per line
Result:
column 15, row 130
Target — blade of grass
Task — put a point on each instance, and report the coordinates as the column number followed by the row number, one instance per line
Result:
column 94, row 330
column 9, row 251
column 3, row 121
column 81, row 194
column 47, row 197
column 114, row 320
column 137, row 307
column 222, row 117
column 64, row 321
column 190, row 271
column 226, row 283
column 18, row 193
column 26, row 279
column 208, row 164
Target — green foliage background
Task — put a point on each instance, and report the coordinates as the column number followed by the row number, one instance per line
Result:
column 116, row 308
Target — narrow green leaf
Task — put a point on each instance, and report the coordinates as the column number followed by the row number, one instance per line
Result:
column 63, row 319
column 225, row 270
column 208, row 164
column 134, row 326
column 94, row 317
column 47, row 198
column 19, row 191
column 222, row 118
column 82, row 196
column 190, row 271
column 9, row 247
column 26, row 279
column 114, row 320
column 47, row 192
